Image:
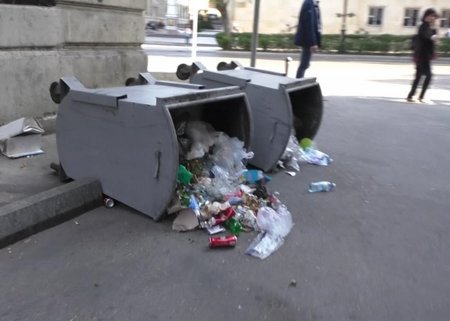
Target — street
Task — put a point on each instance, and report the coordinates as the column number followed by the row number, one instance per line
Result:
column 376, row 248
column 341, row 75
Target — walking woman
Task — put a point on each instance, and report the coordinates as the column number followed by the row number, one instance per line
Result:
column 424, row 51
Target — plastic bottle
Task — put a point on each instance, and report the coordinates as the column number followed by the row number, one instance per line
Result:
column 193, row 204
column 317, row 157
column 322, row 186
column 233, row 226
column 184, row 176
column 253, row 176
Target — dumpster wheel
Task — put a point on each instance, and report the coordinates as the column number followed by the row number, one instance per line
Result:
column 183, row 71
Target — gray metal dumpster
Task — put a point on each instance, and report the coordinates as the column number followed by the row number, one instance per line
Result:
column 126, row 137
column 278, row 104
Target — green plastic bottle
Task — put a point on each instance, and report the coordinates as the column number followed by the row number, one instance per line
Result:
column 233, row 226
column 184, row 176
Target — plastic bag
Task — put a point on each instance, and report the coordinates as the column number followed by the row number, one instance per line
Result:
column 264, row 245
column 221, row 185
column 203, row 136
column 292, row 154
column 274, row 222
column 228, row 153
column 274, row 226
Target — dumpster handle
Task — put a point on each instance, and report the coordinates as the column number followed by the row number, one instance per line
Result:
column 275, row 125
column 158, row 164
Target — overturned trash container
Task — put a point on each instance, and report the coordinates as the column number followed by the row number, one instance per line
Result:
column 279, row 104
column 126, row 137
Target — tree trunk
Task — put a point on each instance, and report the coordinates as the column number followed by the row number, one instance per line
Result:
column 226, row 22
column 221, row 5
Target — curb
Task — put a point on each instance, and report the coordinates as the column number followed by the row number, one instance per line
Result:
column 33, row 214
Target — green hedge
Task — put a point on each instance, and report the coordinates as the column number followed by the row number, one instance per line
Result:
column 359, row 44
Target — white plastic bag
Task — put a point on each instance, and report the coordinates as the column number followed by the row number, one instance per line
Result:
column 264, row 245
column 274, row 226
column 228, row 153
column 292, row 154
column 203, row 136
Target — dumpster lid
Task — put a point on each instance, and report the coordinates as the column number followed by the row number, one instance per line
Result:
column 263, row 78
column 151, row 94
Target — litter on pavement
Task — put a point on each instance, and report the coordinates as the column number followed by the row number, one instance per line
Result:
column 218, row 194
column 21, row 137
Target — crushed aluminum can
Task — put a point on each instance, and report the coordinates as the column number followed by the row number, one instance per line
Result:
column 222, row 241
column 109, row 202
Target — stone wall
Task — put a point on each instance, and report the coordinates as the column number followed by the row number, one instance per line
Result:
column 98, row 41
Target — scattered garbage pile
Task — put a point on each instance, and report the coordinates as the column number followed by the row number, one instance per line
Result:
column 304, row 151
column 217, row 193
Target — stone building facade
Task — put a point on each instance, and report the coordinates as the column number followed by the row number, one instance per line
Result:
column 276, row 16
column 97, row 41
column 371, row 16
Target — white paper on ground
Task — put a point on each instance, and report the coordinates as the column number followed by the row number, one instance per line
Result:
column 19, row 127
column 20, row 146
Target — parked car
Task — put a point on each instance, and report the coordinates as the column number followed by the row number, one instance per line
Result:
column 153, row 25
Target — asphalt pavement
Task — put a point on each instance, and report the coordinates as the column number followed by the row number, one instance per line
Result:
column 376, row 248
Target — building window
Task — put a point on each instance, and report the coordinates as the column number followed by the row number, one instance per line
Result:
column 445, row 19
column 375, row 16
column 411, row 16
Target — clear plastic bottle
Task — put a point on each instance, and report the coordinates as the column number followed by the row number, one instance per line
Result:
column 322, row 186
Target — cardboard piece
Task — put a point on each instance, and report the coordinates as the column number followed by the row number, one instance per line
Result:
column 19, row 127
column 185, row 221
column 21, row 137
column 20, row 146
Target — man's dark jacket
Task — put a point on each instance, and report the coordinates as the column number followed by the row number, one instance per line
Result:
column 308, row 33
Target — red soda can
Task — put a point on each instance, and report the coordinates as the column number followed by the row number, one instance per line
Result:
column 222, row 217
column 222, row 241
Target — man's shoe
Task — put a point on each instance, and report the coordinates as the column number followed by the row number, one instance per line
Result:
column 425, row 101
column 410, row 100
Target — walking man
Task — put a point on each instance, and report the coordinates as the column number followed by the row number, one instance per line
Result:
column 308, row 33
